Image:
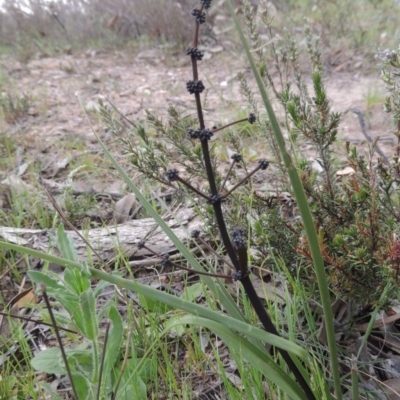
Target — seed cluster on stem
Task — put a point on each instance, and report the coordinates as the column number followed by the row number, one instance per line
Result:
column 235, row 243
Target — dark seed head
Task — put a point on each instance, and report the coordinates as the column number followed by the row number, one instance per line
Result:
column 215, row 199
column 205, row 134
column 252, row 118
column 202, row 134
column 236, row 157
column 200, row 15
column 206, row 4
column 236, row 276
column 238, row 238
column 194, row 86
column 195, row 234
column 141, row 244
column 165, row 262
column 193, row 134
column 264, row 164
column 195, row 53
column 172, row 175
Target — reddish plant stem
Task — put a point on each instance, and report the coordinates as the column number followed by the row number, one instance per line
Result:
column 227, row 176
column 242, row 181
column 230, row 124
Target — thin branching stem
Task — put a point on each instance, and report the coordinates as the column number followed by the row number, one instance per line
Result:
column 36, row 321
column 60, row 343
column 230, row 124
column 192, row 188
column 249, row 175
column 179, row 266
column 227, row 175
column 103, row 357
column 210, row 249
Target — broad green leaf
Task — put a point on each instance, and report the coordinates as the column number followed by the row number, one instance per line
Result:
column 68, row 299
column 87, row 304
column 76, row 280
column 86, row 270
column 82, row 385
column 72, row 305
column 66, row 244
column 51, row 362
column 63, row 319
column 41, row 278
column 114, row 339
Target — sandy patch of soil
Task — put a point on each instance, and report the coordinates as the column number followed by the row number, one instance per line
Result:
column 136, row 81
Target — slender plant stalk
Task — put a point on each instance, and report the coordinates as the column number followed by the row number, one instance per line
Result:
column 37, row 322
column 240, row 263
column 354, row 378
column 304, row 211
column 60, row 343
column 124, row 363
column 102, row 361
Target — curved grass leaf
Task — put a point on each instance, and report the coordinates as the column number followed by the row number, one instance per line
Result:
column 261, row 361
column 176, row 302
column 216, row 287
column 303, row 208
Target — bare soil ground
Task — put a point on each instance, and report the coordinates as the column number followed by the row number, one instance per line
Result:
column 148, row 79
column 54, row 136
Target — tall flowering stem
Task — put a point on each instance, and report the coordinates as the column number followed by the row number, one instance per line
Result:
column 236, row 245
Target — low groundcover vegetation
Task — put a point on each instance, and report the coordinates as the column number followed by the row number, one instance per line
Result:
column 277, row 293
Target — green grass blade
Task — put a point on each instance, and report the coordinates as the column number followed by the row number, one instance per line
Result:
column 173, row 301
column 217, row 287
column 265, row 364
column 304, row 211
